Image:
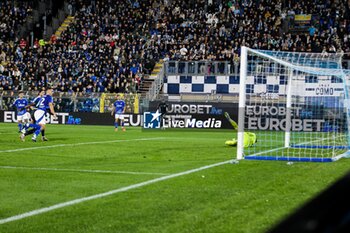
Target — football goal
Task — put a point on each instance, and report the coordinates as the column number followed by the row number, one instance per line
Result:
column 297, row 104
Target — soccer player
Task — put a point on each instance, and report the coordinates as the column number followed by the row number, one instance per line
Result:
column 162, row 108
column 249, row 138
column 45, row 103
column 20, row 104
column 36, row 100
column 118, row 110
column 32, row 107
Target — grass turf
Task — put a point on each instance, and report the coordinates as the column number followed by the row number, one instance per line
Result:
column 250, row 196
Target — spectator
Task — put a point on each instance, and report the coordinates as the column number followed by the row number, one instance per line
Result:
column 110, row 47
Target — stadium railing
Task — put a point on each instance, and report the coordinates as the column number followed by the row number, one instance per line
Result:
column 201, row 68
column 207, row 68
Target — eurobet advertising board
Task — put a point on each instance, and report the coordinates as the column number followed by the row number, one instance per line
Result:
column 179, row 115
column 189, row 115
column 10, row 117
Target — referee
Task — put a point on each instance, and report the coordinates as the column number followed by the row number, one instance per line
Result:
column 162, row 108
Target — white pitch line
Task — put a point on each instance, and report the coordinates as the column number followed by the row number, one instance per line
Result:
column 80, row 200
column 82, row 170
column 97, row 196
column 78, row 144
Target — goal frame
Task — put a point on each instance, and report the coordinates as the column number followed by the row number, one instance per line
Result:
column 287, row 133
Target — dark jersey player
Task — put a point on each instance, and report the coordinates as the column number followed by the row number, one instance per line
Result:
column 162, row 108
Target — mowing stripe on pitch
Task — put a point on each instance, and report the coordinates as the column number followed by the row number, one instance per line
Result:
column 83, row 170
column 79, row 144
column 101, row 195
column 97, row 196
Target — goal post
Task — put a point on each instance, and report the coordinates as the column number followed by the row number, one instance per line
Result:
column 242, row 100
column 296, row 105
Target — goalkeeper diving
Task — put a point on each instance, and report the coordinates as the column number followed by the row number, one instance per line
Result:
column 249, row 138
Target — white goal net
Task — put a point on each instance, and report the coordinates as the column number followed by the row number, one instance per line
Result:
column 295, row 103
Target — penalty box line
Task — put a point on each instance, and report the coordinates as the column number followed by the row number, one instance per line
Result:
column 105, row 194
column 79, row 144
column 82, row 170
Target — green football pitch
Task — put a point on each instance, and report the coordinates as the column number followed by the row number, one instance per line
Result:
column 92, row 179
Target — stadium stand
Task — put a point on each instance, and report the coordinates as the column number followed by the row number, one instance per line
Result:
column 114, row 47
column 11, row 17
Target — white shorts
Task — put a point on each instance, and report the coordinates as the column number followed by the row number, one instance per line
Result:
column 24, row 117
column 27, row 117
column 119, row 116
column 39, row 116
column 20, row 117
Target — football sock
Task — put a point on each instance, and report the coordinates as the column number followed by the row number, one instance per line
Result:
column 37, row 130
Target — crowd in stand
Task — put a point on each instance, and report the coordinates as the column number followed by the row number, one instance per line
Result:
column 110, row 47
column 12, row 17
column 196, row 31
column 101, row 51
